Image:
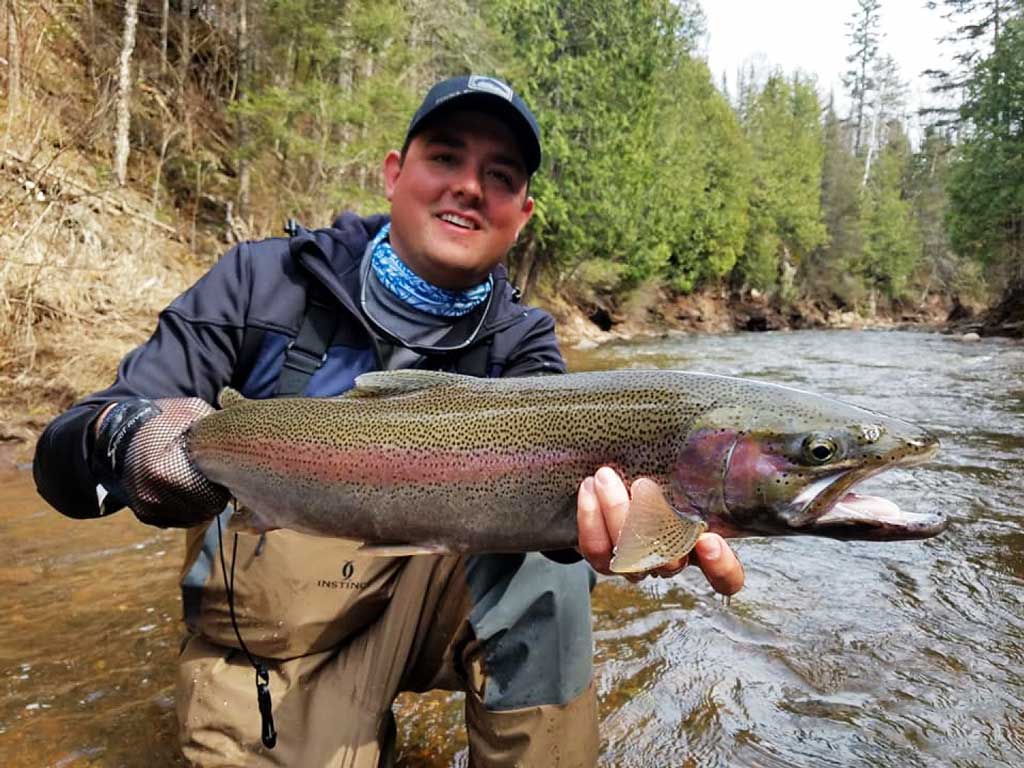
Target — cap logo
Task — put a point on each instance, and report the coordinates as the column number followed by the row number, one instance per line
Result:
column 490, row 85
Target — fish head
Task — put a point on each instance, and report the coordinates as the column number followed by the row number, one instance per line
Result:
column 787, row 467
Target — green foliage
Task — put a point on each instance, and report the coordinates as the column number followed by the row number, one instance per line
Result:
column 785, row 203
column 335, row 83
column 892, row 242
column 598, row 276
column 704, row 163
column 592, row 82
column 827, row 268
column 939, row 269
column 987, row 180
column 645, row 164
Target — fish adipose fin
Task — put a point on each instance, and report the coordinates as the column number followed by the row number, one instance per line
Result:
column 654, row 534
column 383, row 383
column 402, row 550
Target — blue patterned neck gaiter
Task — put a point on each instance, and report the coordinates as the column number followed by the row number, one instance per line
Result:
column 417, row 292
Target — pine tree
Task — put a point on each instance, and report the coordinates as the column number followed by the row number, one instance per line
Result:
column 828, row 271
column 979, row 24
column 859, row 79
column 892, row 242
column 987, row 180
column 785, row 203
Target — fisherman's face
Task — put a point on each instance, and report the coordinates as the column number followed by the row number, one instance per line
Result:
column 458, row 200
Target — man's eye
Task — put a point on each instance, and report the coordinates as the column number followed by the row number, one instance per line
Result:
column 445, row 158
column 503, row 177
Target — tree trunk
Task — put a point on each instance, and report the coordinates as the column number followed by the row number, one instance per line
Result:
column 242, row 92
column 124, row 91
column 872, row 141
column 524, row 277
column 363, row 173
column 184, row 65
column 13, row 63
column 165, row 12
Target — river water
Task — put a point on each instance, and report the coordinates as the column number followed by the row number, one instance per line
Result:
column 834, row 654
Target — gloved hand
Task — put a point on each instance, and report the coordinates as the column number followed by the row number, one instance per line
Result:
column 139, row 456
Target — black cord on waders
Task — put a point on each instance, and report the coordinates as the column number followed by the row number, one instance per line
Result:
column 268, row 734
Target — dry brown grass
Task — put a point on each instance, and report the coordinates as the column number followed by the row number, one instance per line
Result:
column 82, row 278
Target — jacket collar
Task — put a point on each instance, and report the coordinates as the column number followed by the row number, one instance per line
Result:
column 332, row 257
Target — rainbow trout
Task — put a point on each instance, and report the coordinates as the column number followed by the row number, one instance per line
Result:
column 419, row 461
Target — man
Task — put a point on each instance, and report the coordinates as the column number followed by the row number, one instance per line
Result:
column 335, row 636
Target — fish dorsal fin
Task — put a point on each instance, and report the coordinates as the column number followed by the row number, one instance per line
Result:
column 230, row 397
column 654, row 534
column 383, row 383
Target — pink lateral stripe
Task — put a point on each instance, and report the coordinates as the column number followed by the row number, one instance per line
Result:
column 392, row 466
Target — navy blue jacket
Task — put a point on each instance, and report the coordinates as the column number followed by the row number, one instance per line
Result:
column 232, row 328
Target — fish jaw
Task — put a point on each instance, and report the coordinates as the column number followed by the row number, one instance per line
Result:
column 772, row 488
column 872, row 518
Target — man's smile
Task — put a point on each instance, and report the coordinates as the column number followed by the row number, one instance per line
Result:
column 462, row 222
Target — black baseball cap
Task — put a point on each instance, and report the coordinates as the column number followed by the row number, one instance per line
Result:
column 488, row 94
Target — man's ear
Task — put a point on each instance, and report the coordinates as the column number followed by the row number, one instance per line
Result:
column 526, row 213
column 392, row 170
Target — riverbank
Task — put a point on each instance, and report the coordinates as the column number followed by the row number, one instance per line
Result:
column 588, row 326
column 72, row 354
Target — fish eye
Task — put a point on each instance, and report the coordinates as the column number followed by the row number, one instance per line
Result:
column 819, row 450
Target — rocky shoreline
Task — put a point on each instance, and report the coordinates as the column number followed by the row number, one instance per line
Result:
column 581, row 326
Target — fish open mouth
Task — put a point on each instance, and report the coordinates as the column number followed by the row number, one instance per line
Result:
column 831, row 509
column 858, row 516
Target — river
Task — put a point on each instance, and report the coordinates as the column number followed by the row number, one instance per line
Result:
column 834, row 654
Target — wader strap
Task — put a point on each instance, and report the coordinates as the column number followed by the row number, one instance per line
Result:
column 307, row 352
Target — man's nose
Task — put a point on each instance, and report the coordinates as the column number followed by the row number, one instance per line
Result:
column 467, row 184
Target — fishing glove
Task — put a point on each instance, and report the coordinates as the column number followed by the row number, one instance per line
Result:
column 139, row 456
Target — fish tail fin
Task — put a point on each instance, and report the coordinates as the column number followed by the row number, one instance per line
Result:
column 654, row 533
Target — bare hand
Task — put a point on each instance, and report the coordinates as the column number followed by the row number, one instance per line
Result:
column 601, row 508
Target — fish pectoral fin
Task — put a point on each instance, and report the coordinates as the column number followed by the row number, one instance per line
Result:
column 230, row 397
column 402, row 550
column 384, row 383
column 654, row 533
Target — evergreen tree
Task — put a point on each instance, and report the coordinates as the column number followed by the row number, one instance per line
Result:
column 703, row 162
column 892, row 243
column 987, row 179
column 592, row 75
column 859, row 79
column 785, row 204
column 939, row 267
column 829, row 269
column 979, row 24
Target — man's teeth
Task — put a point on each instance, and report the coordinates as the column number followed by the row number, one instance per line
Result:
column 458, row 221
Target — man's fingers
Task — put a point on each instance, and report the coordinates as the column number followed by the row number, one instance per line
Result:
column 594, row 542
column 602, row 506
column 614, row 500
column 720, row 565
column 669, row 570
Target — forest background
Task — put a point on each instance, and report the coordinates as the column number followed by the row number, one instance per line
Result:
column 142, row 137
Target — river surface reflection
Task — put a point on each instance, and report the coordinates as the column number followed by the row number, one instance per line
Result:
column 835, row 654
